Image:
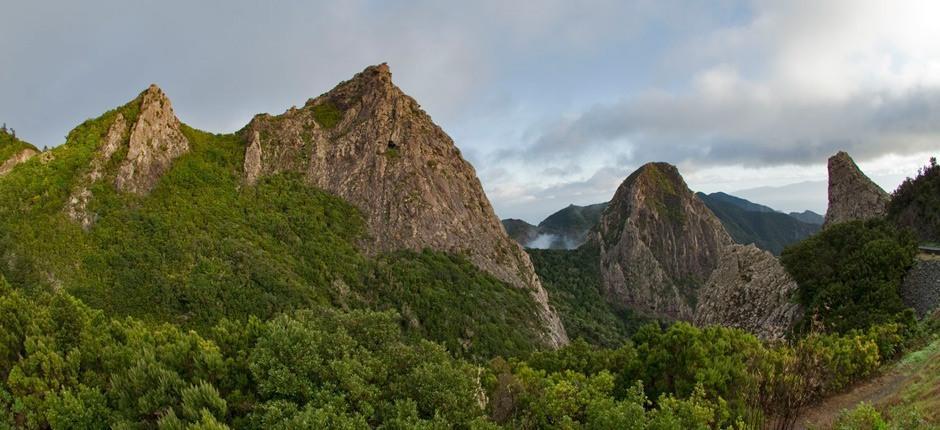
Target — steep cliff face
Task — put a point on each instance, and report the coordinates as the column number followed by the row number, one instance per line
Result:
column 658, row 243
column 852, row 195
column 369, row 143
column 749, row 290
column 153, row 141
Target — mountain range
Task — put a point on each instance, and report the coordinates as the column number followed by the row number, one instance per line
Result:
column 747, row 222
column 339, row 265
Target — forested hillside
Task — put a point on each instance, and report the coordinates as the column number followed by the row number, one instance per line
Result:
column 747, row 222
column 202, row 247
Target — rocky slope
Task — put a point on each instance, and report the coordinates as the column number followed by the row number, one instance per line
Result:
column 13, row 151
column 151, row 142
column 369, row 143
column 852, row 195
column 921, row 288
column 664, row 254
column 658, row 243
column 20, row 157
column 749, row 290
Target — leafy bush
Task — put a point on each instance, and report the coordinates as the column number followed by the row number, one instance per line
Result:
column 849, row 275
column 916, row 203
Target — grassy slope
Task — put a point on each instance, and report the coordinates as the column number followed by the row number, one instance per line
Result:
column 922, row 389
column 202, row 246
column 909, row 387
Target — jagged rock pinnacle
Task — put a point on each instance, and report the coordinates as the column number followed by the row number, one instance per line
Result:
column 658, row 243
column 155, row 141
column 852, row 195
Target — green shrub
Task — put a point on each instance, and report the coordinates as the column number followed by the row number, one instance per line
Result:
column 327, row 114
column 849, row 275
column 916, row 203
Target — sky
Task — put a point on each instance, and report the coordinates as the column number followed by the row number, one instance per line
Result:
column 554, row 102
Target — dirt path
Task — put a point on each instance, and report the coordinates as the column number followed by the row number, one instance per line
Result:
column 915, row 379
column 822, row 416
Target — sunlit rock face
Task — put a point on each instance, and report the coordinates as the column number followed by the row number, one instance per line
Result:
column 371, row 144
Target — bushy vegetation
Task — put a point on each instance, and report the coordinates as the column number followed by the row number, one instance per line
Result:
column 10, row 145
column 327, row 114
column 65, row 365
column 866, row 417
column 916, row 203
column 850, row 273
column 573, row 281
column 211, row 304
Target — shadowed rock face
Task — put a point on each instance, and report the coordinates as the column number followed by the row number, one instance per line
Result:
column 369, row 143
column 6, row 166
column 749, row 290
column 658, row 243
column 852, row 195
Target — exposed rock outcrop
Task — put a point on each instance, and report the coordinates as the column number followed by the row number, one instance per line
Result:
column 921, row 287
column 852, row 195
column 658, row 243
column 749, row 290
column 77, row 205
column 155, row 141
column 20, row 157
column 663, row 253
column 369, row 143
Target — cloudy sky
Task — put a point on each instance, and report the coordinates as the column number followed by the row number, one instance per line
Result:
column 554, row 102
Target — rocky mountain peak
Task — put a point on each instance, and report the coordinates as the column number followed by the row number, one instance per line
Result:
column 369, row 143
column 155, row 141
column 658, row 243
column 852, row 195
column 665, row 254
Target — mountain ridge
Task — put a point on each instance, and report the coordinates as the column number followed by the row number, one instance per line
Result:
column 177, row 225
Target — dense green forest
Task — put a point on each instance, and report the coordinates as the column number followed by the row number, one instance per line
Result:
column 747, row 222
column 64, row 365
column 849, row 275
column 916, row 203
column 573, row 281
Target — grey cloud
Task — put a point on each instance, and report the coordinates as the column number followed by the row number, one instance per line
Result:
column 742, row 129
